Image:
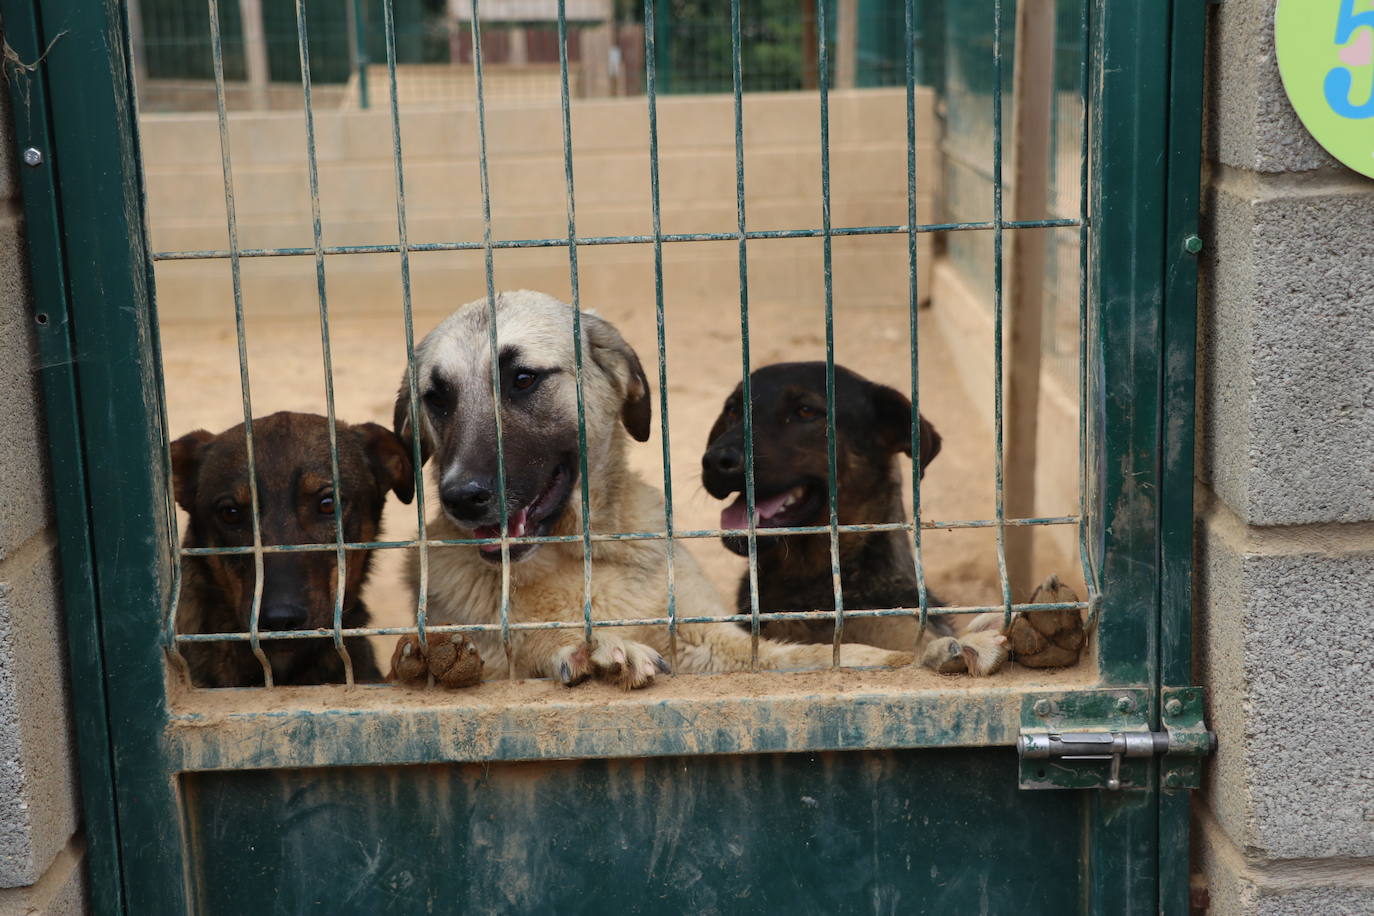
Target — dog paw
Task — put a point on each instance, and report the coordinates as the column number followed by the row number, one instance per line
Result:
column 945, row 656
column 573, row 664
column 452, row 659
column 984, row 652
column 408, row 662
column 979, row 653
column 627, row 664
column 1048, row 639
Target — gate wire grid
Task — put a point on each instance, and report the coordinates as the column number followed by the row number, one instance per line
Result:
column 826, row 232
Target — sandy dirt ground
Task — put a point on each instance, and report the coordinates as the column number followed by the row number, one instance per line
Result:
column 703, row 354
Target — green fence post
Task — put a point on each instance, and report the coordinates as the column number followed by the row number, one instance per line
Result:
column 360, row 60
column 663, row 42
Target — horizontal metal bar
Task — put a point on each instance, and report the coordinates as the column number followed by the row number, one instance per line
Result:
column 563, row 242
column 536, row 720
column 628, row 536
column 631, row 622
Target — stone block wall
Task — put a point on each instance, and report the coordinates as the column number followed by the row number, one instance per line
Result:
column 1285, row 567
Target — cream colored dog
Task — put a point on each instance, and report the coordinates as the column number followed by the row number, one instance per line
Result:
column 537, row 367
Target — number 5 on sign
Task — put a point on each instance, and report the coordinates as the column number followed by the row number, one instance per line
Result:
column 1326, row 58
column 1357, row 51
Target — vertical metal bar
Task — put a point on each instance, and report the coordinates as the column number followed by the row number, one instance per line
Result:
column 231, row 215
column 922, row 592
column 318, row 237
column 412, row 383
column 57, row 369
column 1085, row 99
column 576, row 324
column 491, row 336
column 651, row 90
column 997, row 229
column 1128, row 278
column 823, row 83
column 360, row 58
column 1187, row 58
column 736, row 69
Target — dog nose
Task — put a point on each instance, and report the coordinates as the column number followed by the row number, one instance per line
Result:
column 724, row 461
column 281, row 615
column 470, row 501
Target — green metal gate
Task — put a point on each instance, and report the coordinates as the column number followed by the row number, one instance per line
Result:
column 806, row 799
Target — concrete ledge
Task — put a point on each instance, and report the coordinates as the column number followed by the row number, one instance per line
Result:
column 1283, row 632
column 61, row 891
column 1241, row 886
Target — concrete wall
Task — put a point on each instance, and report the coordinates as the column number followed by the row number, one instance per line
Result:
column 40, row 844
column 357, row 185
column 1285, row 569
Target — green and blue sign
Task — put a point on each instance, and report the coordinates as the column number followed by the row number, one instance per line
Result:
column 1326, row 58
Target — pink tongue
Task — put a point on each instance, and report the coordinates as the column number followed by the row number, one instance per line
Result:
column 733, row 516
column 516, row 524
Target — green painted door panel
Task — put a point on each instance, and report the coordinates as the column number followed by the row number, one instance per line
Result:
column 879, row 832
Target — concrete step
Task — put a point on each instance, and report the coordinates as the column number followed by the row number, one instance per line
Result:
column 858, row 117
column 871, row 271
column 356, row 190
column 465, row 223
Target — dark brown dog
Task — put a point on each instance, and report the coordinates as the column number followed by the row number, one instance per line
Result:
column 877, row 569
column 296, row 501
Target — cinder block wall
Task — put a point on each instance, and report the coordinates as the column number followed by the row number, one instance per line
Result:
column 40, row 843
column 1285, row 568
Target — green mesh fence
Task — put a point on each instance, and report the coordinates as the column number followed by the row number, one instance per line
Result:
column 780, row 48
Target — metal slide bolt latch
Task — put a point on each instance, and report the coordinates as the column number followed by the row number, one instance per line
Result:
column 1094, row 746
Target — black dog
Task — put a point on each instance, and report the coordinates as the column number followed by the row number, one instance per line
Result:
column 296, row 501
column 877, row 569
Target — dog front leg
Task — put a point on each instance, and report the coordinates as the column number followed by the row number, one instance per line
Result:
column 566, row 656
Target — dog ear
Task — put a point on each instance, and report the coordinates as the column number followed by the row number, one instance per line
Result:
column 400, row 422
column 930, row 444
column 186, row 455
column 893, row 410
column 389, row 459
column 619, row 360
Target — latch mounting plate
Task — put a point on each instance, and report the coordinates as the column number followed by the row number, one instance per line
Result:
column 1091, row 739
column 1080, row 712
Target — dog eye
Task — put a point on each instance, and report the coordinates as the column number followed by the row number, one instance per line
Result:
column 732, row 410
column 523, row 380
column 230, row 514
column 326, row 505
column 806, row 413
column 434, row 399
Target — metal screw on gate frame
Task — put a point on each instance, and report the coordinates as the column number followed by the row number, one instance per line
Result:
column 1043, row 708
column 1173, row 780
column 33, row 156
column 1125, row 704
column 1192, row 244
column 1173, row 707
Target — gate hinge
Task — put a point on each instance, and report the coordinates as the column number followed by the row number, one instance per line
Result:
column 1100, row 739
